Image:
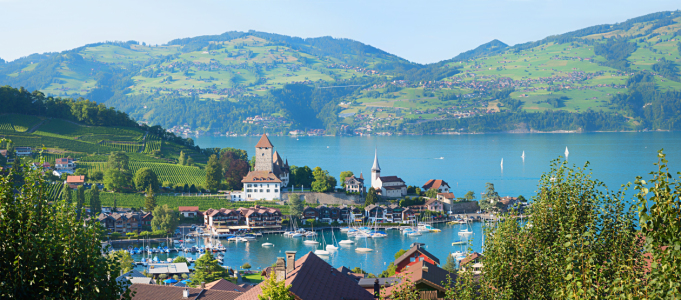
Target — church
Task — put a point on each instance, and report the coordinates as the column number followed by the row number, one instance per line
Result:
column 387, row 186
column 270, row 173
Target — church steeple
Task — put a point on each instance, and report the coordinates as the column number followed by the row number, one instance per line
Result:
column 376, row 167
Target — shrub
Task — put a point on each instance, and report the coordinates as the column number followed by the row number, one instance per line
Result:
column 115, row 235
column 185, row 276
column 145, row 233
column 163, row 276
column 176, row 277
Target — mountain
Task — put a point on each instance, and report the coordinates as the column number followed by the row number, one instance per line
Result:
column 250, row 82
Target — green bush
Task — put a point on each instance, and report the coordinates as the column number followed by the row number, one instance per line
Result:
column 115, row 235
column 145, row 233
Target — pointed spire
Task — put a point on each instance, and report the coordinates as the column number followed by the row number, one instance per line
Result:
column 361, row 176
column 376, row 167
column 264, row 142
column 286, row 162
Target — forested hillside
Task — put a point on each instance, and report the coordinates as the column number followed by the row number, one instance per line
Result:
column 607, row 77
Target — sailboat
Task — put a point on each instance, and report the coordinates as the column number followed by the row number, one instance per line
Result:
column 367, row 249
column 523, row 156
column 311, row 242
column 334, row 243
column 465, row 232
column 566, row 152
column 502, row 163
column 322, row 251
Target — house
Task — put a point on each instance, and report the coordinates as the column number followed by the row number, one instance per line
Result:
column 473, row 261
column 447, row 200
column 311, row 278
column 262, row 185
column 169, row 292
column 415, row 254
column 65, row 165
column 224, row 221
column 434, row 205
column 23, row 151
column 133, row 277
column 429, row 279
column 75, row 181
column 375, row 213
column 387, row 186
column 354, row 184
column 438, row 184
column 125, row 222
column 170, row 269
column 327, row 214
column 189, row 211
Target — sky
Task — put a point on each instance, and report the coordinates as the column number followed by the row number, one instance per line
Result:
column 420, row 31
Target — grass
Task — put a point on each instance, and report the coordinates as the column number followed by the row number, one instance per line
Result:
column 253, row 278
column 175, row 174
column 22, row 123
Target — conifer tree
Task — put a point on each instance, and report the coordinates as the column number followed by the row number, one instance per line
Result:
column 80, row 201
column 95, row 202
column 213, row 173
column 149, row 200
column 207, row 269
column 67, row 195
column 182, row 160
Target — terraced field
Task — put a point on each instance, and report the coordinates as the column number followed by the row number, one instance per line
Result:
column 175, row 174
column 124, row 146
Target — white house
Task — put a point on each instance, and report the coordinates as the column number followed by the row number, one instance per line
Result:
column 438, row 184
column 260, row 185
column 65, row 165
column 388, row 186
column 23, row 151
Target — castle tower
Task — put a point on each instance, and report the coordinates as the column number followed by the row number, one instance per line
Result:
column 263, row 154
column 375, row 171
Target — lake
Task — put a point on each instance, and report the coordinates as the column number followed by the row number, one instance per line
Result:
column 469, row 161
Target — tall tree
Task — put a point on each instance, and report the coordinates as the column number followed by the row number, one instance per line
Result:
column 490, row 198
column 47, row 252
column 118, row 161
column 344, row 175
column 66, row 195
column 182, row 160
column 149, row 200
column 303, row 176
column 190, row 161
column 235, row 169
column 322, row 181
column 95, row 202
column 214, row 173
column 115, row 179
column 470, row 196
column 371, row 197
column 207, row 269
column 165, row 219
column 80, row 201
column 431, row 193
column 124, row 259
column 146, row 178
column 450, row 265
column 296, row 205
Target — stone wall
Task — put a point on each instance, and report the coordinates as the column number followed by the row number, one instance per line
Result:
column 462, row 207
column 327, row 198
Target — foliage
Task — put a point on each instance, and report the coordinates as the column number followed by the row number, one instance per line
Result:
column 115, row 179
column 235, row 168
column 145, row 178
column 371, row 197
column 301, row 176
column 246, row 266
column 296, row 205
column 118, row 161
column 431, row 193
column 490, row 198
column 616, row 52
column 165, row 219
column 207, row 269
column 182, row 159
column 667, row 68
column 149, row 200
column 213, row 173
column 470, row 196
column 323, row 182
column 406, row 202
column 80, row 201
column 181, row 259
column 61, row 258
column 274, row 289
column 95, row 202
column 343, row 176
column 123, row 258
column 450, row 265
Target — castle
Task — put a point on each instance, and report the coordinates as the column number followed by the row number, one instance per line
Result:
column 270, row 174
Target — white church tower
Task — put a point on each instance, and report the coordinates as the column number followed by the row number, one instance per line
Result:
column 376, row 173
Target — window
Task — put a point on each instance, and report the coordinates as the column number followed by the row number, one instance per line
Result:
column 276, row 190
column 261, row 190
column 421, row 258
column 411, row 259
column 249, row 195
column 268, row 190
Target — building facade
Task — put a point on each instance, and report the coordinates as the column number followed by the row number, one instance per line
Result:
column 354, row 184
column 65, row 165
column 387, row 186
column 438, row 184
column 270, row 174
column 224, row 221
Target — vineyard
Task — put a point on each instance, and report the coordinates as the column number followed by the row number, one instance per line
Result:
column 5, row 125
column 175, row 174
column 124, row 146
column 92, row 133
column 153, row 143
column 37, row 141
column 54, row 190
column 23, row 123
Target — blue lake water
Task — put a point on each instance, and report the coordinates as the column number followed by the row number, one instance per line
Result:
column 466, row 162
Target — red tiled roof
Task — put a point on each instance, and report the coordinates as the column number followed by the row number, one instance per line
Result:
column 425, row 273
column 412, row 251
column 447, row 195
column 391, row 179
column 153, row 292
column 261, row 177
column 188, row 208
column 434, row 184
column 224, row 285
column 470, row 258
column 75, row 179
column 315, row 279
column 264, row 142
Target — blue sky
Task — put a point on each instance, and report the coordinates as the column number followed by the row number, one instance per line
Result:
column 420, row 31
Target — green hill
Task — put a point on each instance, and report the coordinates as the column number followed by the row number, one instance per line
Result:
column 220, row 83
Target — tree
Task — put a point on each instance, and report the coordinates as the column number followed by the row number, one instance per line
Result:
column 59, row 259
column 145, row 178
column 181, row 259
column 190, row 161
column 81, row 172
column 490, row 198
column 118, row 161
column 343, row 176
column 207, row 269
column 213, row 173
column 400, row 253
column 67, row 195
column 246, row 266
column 150, row 200
column 521, row 199
column 115, row 179
column 302, row 176
column 450, row 265
column 165, row 219
column 322, row 181
column 431, row 193
column 235, row 168
column 97, row 176
column 182, row 160
column 113, row 209
column 193, row 189
column 371, row 197
column 95, row 202
column 274, row 289
column 124, row 259
column 296, row 205
column 470, row 196
column 80, row 201
column 417, row 191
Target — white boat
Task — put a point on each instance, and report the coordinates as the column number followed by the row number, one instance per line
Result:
column 310, row 242
column 465, row 232
column 176, row 242
column 311, row 233
column 321, row 252
column 331, row 247
column 523, row 156
column 364, row 250
column 267, row 244
column 378, row 235
column 566, row 152
column 346, row 242
column 297, row 234
column 415, row 233
column 345, row 229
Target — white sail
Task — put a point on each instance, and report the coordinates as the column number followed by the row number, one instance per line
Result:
column 566, row 152
column 523, row 156
column 502, row 162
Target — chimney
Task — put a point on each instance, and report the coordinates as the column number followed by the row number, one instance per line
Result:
column 377, row 289
column 291, row 259
column 185, row 293
column 280, row 269
column 203, row 285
